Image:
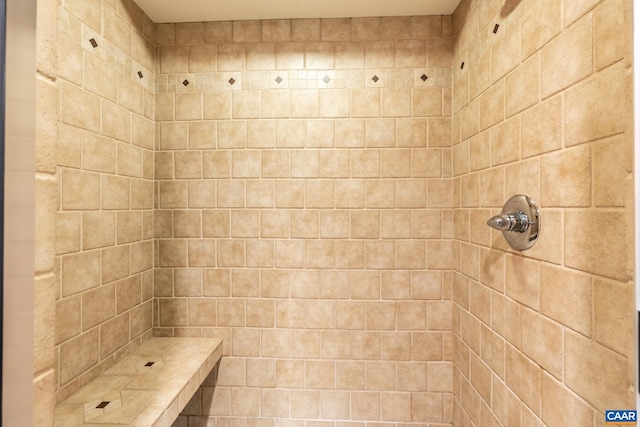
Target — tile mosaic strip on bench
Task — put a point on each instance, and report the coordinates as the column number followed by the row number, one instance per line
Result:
column 148, row 388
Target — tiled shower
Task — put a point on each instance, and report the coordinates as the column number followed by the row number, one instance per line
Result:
column 315, row 192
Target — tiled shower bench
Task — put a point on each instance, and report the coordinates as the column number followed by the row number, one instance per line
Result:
column 148, row 388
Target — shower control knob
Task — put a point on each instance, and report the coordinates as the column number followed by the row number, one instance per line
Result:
column 519, row 222
column 516, row 221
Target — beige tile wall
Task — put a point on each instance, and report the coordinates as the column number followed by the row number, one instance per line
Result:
column 45, row 285
column 104, row 219
column 303, row 172
column 307, row 213
column 542, row 107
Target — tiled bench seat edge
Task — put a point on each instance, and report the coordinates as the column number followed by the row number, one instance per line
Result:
column 148, row 388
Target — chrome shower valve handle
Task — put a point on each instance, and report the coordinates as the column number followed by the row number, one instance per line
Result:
column 519, row 222
column 515, row 221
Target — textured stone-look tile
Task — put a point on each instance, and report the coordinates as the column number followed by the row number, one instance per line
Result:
column 217, row 164
column 576, row 11
column 604, row 255
column 217, row 32
column 560, row 286
column 117, row 30
column 80, row 272
column 174, row 59
column 260, row 56
column 505, row 54
column 470, row 117
column 114, row 334
column 128, row 293
column 522, row 86
column 319, row 55
column 542, row 127
column 507, row 319
column 45, row 315
column 305, row 404
column 542, row 342
column 410, row 53
column 80, row 190
column 67, row 233
column 607, row 389
column 612, row 326
column 480, row 377
column 609, row 171
column 523, row 280
column 231, row 57
column 427, row 407
column 116, row 263
column 524, row 377
column 188, row 106
column 540, row 24
column 88, row 12
column 560, row 71
column 579, row 113
column 78, row 354
column 305, row 29
column 505, row 141
column 480, row 151
column 493, row 351
column 566, row 178
column 98, row 229
column 609, row 39
column 507, row 405
column 98, row 78
column 189, row 33
column 246, row 31
column 596, row 108
column 366, row 207
column 217, row 105
column 560, row 406
column 349, row 55
column 130, row 95
column 116, row 121
column 492, row 105
column 276, row 30
column 68, row 318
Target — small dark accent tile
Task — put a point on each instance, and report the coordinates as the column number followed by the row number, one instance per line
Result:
column 140, row 74
column 495, row 29
column 93, row 42
column 462, row 66
column 102, row 404
column 149, row 363
column 326, row 79
column 424, row 77
column 185, row 83
column 375, row 79
column 278, row 79
column 231, row 81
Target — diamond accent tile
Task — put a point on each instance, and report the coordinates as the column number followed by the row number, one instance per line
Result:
column 93, row 42
column 231, row 81
column 424, row 77
column 185, row 83
column 140, row 74
column 278, row 79
column 102, row 404
column 326, row 79
column 375, row 79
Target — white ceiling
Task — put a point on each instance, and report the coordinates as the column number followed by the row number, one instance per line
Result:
column 162, row 11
